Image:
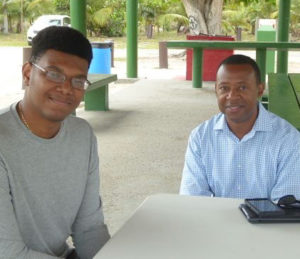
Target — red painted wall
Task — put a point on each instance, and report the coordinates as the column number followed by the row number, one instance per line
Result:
column 211, row 58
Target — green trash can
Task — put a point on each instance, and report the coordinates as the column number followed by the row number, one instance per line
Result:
column 268, row 33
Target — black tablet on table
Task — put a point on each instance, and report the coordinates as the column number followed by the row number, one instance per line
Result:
column 265, row 211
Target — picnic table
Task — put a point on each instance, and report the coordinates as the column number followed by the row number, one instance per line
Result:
column 96, row 95
column 172, row 226
column 260, row 48
column 284, row 97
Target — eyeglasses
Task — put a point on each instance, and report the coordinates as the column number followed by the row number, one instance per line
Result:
column 58, row 77
column 289, row 201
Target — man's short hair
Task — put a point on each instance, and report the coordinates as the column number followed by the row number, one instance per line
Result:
column 242, row 59
column 61, row 38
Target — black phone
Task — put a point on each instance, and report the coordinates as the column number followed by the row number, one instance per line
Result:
column 264, row 207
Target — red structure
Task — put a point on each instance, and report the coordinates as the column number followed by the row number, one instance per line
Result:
column 211, row 58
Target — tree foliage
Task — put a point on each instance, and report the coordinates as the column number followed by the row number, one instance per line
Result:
column 62, row 6
column 108, row 17
column 295, row 18
column 204, row 16
column 104, row 17
column 161, row 14
column 244, row 14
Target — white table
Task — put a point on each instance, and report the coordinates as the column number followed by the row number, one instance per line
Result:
column 168, row 226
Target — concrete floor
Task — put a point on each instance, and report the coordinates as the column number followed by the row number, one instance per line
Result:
column 142, row 140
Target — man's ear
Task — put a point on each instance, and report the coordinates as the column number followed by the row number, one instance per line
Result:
column 260, row 89
column 26, row 71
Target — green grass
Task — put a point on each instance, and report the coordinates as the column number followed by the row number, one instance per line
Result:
column 14, row 39
column 143, row 41
column 246, row 36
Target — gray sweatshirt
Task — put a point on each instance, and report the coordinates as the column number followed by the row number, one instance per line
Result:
column 49, row 190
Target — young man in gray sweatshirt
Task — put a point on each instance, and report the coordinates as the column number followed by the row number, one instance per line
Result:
column 49, row 169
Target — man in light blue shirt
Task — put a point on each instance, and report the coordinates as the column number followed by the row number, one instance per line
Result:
column 244, row 151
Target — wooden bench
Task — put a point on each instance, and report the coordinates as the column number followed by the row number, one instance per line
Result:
column 284, row 93
column 96, row 95
column 260, row 48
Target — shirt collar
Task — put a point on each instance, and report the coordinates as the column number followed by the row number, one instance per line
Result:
column 262, row 123
column 221, row 122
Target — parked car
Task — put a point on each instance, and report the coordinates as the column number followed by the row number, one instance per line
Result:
column 46, row 21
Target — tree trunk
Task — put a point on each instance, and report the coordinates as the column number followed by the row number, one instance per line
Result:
column 149, row 31
column 22, row 17
column 5, row 21
column 204, row 16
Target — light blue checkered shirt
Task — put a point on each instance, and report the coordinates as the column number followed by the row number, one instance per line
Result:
column 265, row 163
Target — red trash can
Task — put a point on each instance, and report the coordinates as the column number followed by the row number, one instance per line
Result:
column 211, row 57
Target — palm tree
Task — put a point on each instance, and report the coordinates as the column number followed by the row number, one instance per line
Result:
column 148, row 14
column 36, row 8
column 166, row 19
column 261, row 9
column 14, row 13
column 161, row 14
column 245, row 13
column 11, row 13
column 4, row 15
column 234, row 17
column 295, row 18
column 106, row 17
column 15, row 10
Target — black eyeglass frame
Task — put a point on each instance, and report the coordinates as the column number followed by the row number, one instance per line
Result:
column 63, row 77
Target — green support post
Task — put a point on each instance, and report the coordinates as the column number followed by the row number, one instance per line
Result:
column 97, row 100
column 197, row 67
column 268, row 33
column 132, row 41
column 283, row 34
column 261, row 56
column 78, row 16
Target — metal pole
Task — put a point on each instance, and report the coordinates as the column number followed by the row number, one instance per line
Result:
column 132, row 27
column 283, row 34
column 78, row 16
column 197, row 67
column 261, row 60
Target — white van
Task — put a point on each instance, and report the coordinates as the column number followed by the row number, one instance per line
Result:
column 46, row 21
